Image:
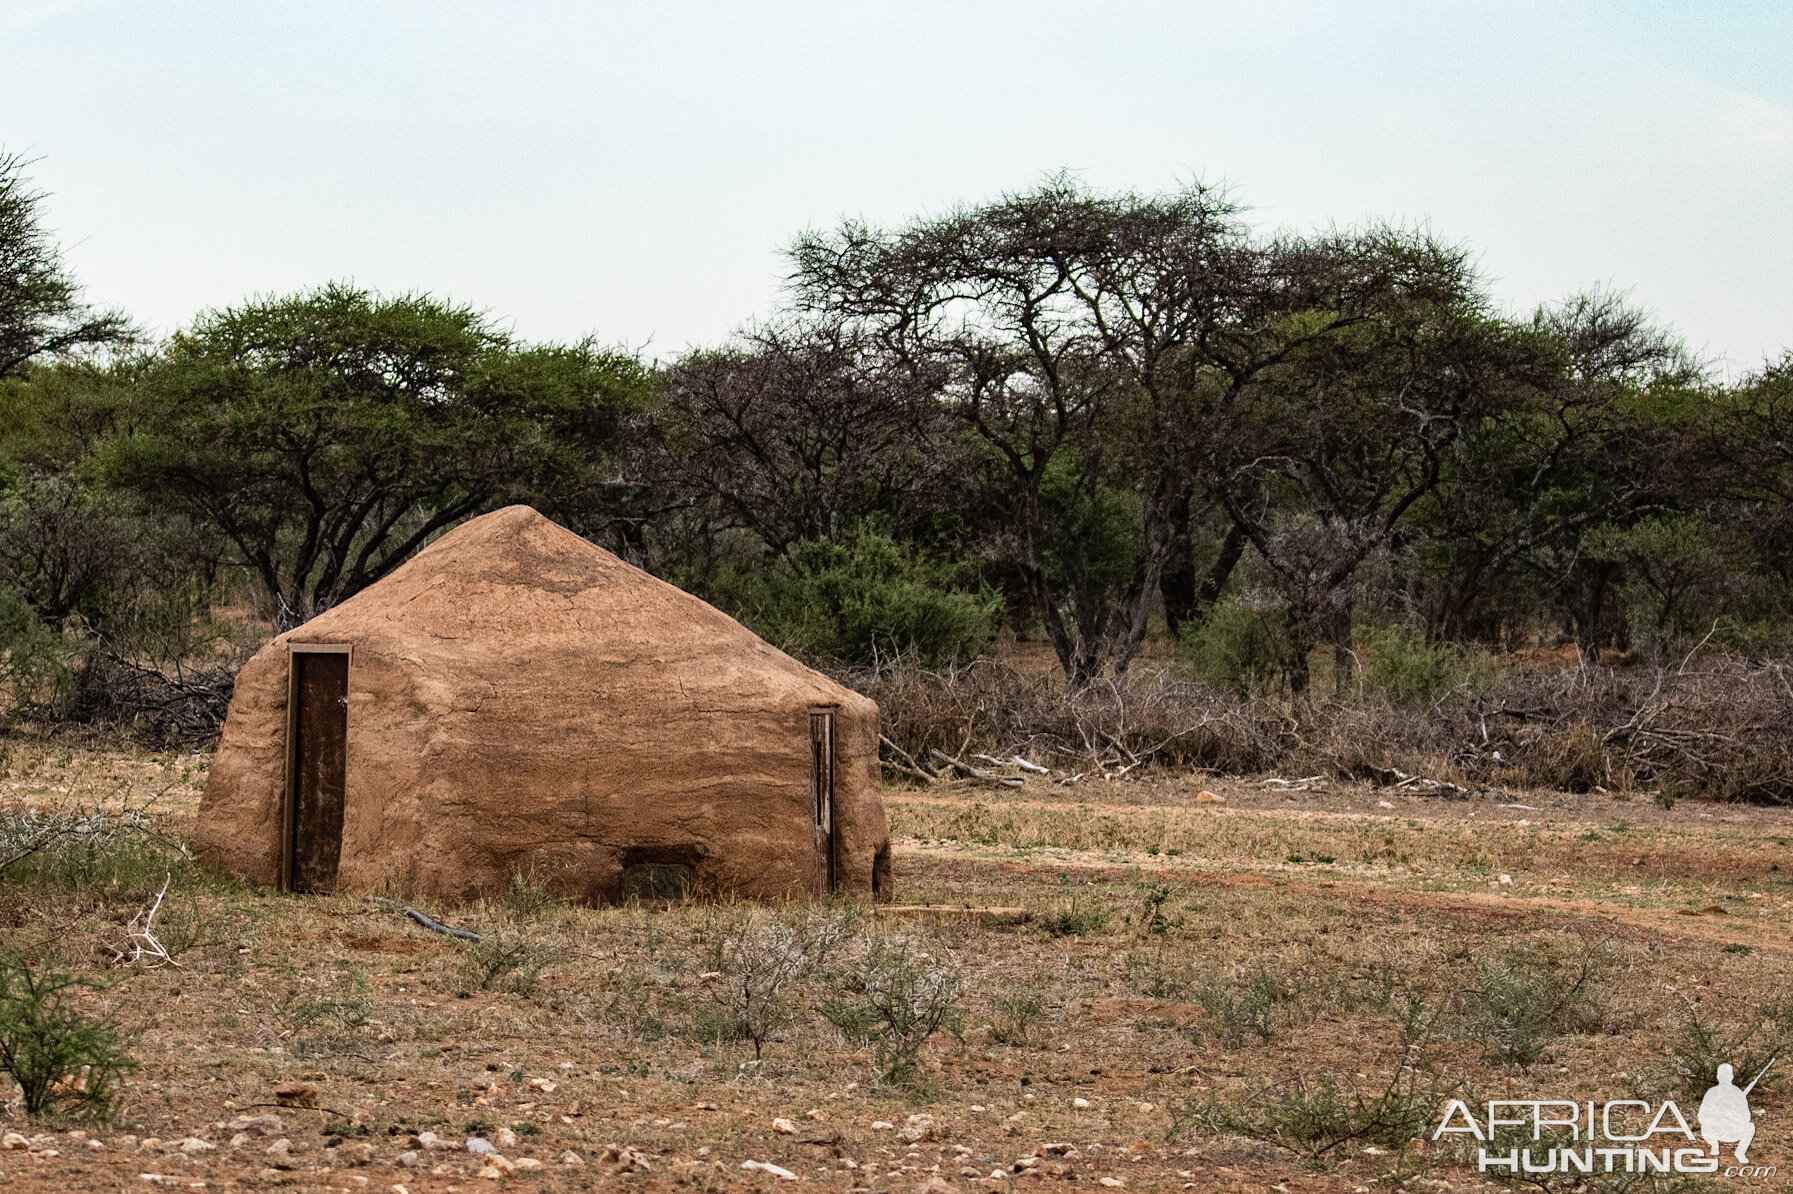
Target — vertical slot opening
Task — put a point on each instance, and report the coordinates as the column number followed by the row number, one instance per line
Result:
column 821, row 744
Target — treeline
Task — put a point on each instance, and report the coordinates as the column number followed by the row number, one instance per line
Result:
column 1067, row 415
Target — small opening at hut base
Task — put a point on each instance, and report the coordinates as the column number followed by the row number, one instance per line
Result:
column 650, row 881
column 659, row 872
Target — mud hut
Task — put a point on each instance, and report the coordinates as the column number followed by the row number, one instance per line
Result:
column 515, row 698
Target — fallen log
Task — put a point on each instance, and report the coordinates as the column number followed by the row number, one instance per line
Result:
column 985, row 915
column 976, row 773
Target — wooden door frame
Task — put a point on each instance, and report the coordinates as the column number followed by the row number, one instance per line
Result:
column 822, row 788
column 289, row 797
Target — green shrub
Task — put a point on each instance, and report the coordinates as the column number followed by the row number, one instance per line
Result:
column 1072, row 919
column 1318, row 1114
column 1161, row 973
column 64, row 1062
column 1254, row 1004
column 1243, row 646
column 862, row 598
column 1682, row 576
column 36, row 660
column 1315, row 1116
column 507, row 954
column 1152, row 918
column 342, row 1004
column 1701, row 1045
column 1014, row 1011
column 528, row 896
column 1403, row 664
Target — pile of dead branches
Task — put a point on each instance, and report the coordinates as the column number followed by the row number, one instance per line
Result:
column 992, row 721
column 1716, row 731
column 1723, row 730
column 183, row 710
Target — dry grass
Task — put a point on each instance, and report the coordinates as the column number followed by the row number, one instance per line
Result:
column 1204, row 978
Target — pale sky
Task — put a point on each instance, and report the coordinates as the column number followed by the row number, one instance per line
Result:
column 633, row 170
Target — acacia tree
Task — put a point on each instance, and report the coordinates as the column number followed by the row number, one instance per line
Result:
column 330, row 434
column 41, row 312
column 798, row 431
column 1746, row 459
column 1337, row 443
column 1210, row 330
column 1588, row 442
column 1101, row 348
column 980, row 309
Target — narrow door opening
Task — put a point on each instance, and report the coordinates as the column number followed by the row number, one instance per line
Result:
column 821, row 744
column 317, row 767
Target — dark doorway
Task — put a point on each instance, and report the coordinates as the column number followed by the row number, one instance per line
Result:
column 821, row 745
column 655, row 873
column 317, row 767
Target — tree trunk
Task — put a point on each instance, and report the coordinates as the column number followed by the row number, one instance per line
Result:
column 1344, row 659
column 1189, row 594
column 1232, row 550
column 1164, row 538
column 1298, row 652
column 1587, row 607
column 1178, row 583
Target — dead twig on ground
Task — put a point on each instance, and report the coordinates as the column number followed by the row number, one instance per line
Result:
column 295, row 1107
column 140, row 947
column 907, row 766
column 427, row 921
column 1017, row 761
column 976, row 773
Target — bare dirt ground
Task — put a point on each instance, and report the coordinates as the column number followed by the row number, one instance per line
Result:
column 1193, row 976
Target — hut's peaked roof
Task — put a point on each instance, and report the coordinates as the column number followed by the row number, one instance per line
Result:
column 512, row 589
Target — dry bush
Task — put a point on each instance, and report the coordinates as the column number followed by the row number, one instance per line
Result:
column 87, row 855
column 156, row 709
column 1720, row 731
column 1716, row 732
column 762, row 960
column 996, row 709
